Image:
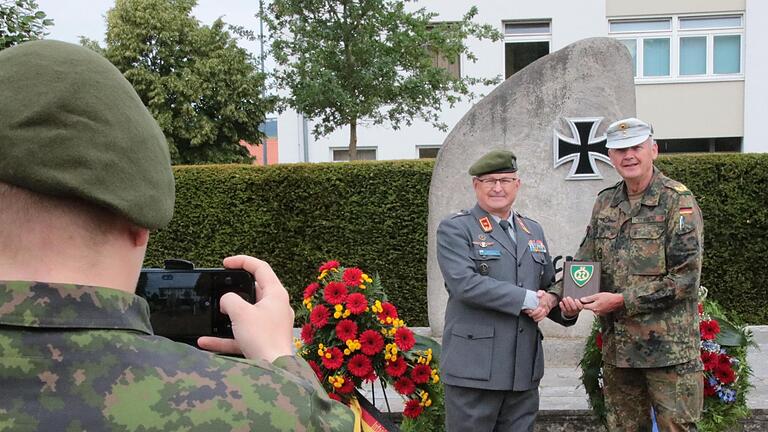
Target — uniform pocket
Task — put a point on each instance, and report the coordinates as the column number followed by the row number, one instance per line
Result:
column 469, row 343
column 646, row 256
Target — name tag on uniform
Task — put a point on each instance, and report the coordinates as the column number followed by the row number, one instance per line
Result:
column 489, row 252
column 536, row 246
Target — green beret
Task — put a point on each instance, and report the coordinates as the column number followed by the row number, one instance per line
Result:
column 72, row 126
column 495, row 161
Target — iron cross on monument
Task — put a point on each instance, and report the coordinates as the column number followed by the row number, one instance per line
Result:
column 584, row 148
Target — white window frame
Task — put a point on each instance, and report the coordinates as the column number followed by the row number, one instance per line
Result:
column 334, row 149
column 674, row 35
column 426, row 147
column 525, row 37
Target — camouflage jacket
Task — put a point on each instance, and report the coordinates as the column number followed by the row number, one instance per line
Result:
column 75, row 358
column 651, row 254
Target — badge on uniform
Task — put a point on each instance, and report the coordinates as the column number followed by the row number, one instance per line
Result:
column 521, row 224
column 536, row 246
column 686, row 218
column 485, row 224
column 489, row 252
column 482, row 241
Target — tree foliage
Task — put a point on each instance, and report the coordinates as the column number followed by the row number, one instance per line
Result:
column 351, row 61
column 204, row 90
column 21, row 21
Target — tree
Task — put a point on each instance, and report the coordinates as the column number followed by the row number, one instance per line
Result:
column 21, row 21
column 351, row 61
column 204, row 90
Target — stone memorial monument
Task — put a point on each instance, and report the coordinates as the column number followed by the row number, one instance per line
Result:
column 552, row 115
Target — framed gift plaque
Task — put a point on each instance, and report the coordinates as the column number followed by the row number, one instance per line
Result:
column 581, row 278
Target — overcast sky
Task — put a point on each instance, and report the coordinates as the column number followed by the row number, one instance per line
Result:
column 75, row 18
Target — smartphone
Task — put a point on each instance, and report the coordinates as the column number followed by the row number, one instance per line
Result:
column 184, row 303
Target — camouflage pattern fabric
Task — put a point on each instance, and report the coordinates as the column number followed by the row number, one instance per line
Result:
column 676, row 391
column 651, row 254
column 76, row 358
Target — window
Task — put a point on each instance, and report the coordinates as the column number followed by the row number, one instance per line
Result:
column 428, row 152
column 524, row 43
column 342, row 155
column 683, row 47
column 700, row 145
column 451, row 65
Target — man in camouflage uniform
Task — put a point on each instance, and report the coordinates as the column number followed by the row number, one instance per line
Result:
column 647, row 233
column 84, row 175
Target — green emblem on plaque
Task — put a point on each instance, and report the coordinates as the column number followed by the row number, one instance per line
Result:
column 581, row 274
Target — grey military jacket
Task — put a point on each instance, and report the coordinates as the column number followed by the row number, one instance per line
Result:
column 488, row 342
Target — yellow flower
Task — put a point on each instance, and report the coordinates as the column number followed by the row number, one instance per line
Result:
column 323, row 274
column 297, row 343
column 347, row 312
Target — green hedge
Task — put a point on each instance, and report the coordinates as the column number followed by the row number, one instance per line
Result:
column 374, row 215
column 733, row 196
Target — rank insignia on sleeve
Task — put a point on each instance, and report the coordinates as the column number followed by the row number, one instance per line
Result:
column 680, row 188
column 485, row 224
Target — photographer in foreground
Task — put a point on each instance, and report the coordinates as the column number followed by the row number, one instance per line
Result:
column 84, row 176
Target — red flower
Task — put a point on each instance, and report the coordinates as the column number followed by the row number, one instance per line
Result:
column 396, row 368
column 708, row 389
column 347, row 387
column 328, row 266
column 356, row 303
column 724, row 374
column 335, row 397
column 307, row 333
column 319, row 316
column 709, row 329
column 311, row 289
column 315, row 367
column 360, row 365
column 404, row 339
column 405, row 386
column 352, row 276
column 388, row 310
column 371, row 342
column 599, row 341
column 724, row 361
column 420, row 374
column 701, row 309
column 412, row 408
column 336, row 360
column 335, row 293
column 371, row 376
column 709, row 359
column 346, row 330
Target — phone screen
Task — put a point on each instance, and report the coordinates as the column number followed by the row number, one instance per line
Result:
column 184, row 304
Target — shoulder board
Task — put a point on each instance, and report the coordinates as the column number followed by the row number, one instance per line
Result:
column 677, row 186
column 612, row 187
column 460, row 213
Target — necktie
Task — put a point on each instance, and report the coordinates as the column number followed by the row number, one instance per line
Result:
column 506, row 226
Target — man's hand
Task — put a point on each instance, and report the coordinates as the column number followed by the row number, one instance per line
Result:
column 263, row 330
column 546, row 302
column 603, row 303
column 570, row 307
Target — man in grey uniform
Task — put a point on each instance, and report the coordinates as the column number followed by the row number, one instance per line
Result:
column 497, row 268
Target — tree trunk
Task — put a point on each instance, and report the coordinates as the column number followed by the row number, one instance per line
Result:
column 353, row 139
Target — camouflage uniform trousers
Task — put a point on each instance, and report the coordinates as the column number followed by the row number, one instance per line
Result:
column 675, row 392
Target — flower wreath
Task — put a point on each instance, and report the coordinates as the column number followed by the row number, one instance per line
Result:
column 726, row 372
column 351, row 334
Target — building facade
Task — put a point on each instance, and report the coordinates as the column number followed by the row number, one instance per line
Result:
column 699, row 77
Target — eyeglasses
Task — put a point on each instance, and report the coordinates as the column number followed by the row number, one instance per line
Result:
column 490, row 182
